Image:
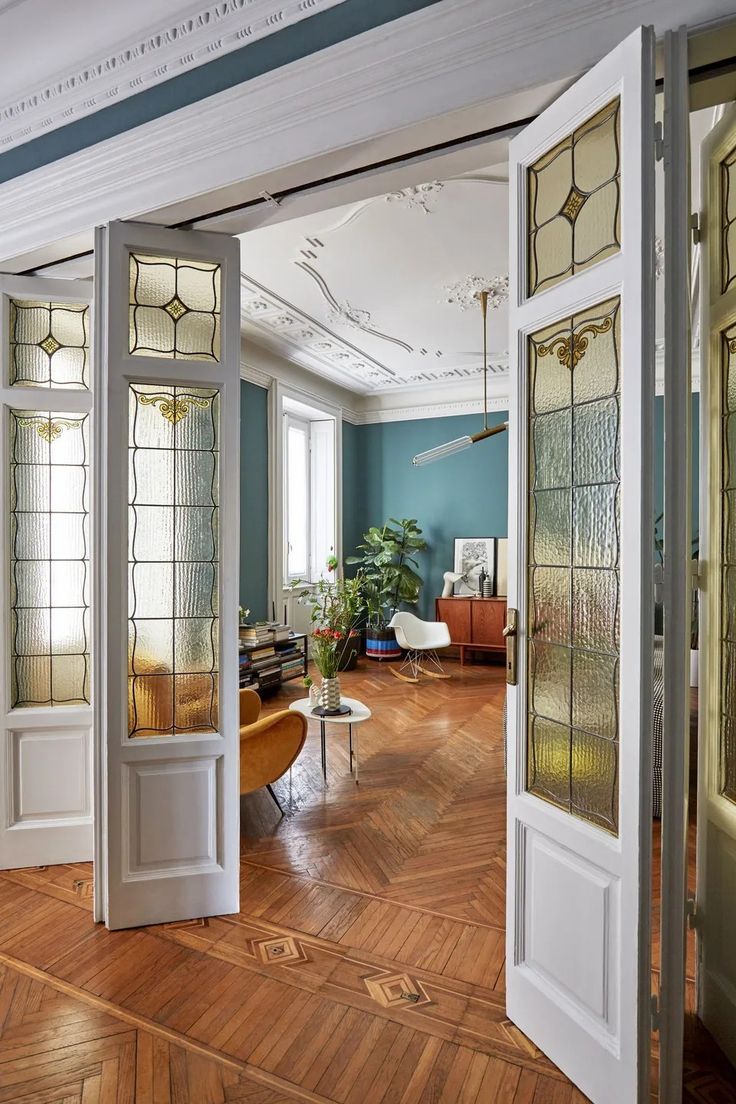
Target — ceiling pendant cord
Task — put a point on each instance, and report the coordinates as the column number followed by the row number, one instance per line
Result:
column 483, row 296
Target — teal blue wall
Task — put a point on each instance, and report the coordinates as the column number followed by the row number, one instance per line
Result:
column 353, row 487
column 317, row 32
column 462, row 496
column 254, row 499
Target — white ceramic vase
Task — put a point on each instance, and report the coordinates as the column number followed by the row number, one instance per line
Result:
column 329, row 693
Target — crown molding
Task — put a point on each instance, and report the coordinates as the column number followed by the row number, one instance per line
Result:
column 151, row 57
column 368, row 89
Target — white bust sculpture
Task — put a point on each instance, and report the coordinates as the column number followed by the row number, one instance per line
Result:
column 450, row 577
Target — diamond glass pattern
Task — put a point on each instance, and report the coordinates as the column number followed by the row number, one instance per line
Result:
column 173, row 557
column 574, row 201
column 174, row 308
column 728, row 568
column 574, row 445
column 48, row 344
column 49, row 559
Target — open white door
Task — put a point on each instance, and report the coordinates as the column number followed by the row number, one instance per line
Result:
column 170, row 339
column 45, row 441
column 716, row 853
column 581, row 563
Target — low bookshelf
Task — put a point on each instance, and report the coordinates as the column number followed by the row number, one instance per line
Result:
column 271, row 655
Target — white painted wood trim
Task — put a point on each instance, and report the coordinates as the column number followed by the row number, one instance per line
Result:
column 677, row 564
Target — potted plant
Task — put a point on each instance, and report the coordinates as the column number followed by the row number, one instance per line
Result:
column 337, row 606
column 387, row 558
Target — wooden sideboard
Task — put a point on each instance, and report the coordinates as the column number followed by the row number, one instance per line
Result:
column 474, row 623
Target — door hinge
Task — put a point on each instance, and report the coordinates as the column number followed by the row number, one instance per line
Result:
column 696, row 573
column 695, row 226
column 655, row 1011
column 658, row 142
column 268, row 199
column 659, row 583
column 693, row 914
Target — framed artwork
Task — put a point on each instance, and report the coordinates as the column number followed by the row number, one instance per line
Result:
column 502, row 570
column 473, row 554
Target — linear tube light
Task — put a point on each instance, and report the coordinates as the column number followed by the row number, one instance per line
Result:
column 458, row 445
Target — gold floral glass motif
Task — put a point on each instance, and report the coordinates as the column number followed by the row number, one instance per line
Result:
column 173, row 559
column 573, row 573
column 728, row 568
column 49, row 558
column 48, row 344
column 728, row 220
column 174, row 308
column 574, row 202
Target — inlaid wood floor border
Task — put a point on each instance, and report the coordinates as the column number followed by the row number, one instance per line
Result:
column 160, row 1031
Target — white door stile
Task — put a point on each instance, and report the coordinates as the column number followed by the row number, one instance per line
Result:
column 605, row 1051
column 99, row 590
column 150, row 780
column 677, row 569
column 716, row 826
column 45, row 819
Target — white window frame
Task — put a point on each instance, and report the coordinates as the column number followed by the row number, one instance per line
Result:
column 291, row 421
column 279, row 592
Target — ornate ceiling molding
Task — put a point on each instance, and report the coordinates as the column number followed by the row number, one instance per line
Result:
column 151, row 57
column 465, row 293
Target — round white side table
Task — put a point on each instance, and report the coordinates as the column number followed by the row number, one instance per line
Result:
column 359, row 713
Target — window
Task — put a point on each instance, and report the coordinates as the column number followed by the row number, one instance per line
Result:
column 309, row 491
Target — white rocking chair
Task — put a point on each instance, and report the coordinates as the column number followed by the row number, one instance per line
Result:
column 420, row 640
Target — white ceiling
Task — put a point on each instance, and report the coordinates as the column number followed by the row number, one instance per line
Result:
column 371, row 295
column 375, row 295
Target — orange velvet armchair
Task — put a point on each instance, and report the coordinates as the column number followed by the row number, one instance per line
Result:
column 268, row 745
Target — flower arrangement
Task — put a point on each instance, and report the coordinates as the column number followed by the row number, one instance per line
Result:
column 337, row 606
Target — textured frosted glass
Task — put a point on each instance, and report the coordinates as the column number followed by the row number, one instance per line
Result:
column 728, row 220
column 174, row 308
column 173, row 553
column 594, row 779
column 573, row 670
column 49, row 558
column 728, row 537
column 574, row 200
column 48, row 344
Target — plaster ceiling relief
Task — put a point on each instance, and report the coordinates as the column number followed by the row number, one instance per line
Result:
column 385, row 285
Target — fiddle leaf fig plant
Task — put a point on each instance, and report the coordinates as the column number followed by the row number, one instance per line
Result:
column 387, row 556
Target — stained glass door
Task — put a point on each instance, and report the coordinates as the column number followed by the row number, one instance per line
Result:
column 716, row 851
column 170, row 337
column 45, row 437
column 580, row 528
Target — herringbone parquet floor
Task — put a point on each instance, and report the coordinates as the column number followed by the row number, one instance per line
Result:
column 365, row 965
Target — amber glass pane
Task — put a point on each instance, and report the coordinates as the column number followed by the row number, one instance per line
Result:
column 574, row 546
column 728, row 220
column 49, row 558
column 728, row 566
column 174, row 308
column 574, row 201
column 173, row 559
column 48, row 344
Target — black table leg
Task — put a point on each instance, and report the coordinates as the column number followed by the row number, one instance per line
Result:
column 324, row 749
column 350, row 732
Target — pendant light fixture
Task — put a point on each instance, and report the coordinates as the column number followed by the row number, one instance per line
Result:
column 461, row 443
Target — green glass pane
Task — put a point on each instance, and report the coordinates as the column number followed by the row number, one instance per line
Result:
column 174, row 308
column 549, row 617
column 549, row 761
column 550, row 681
column 48, row 344
column 595, row 693
column 550, row 519
column 552, row 455
column 595, row 606
column 595, row 526
column 595, row 445
column 594, row 786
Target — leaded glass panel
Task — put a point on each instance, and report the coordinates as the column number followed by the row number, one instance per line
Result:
column 728, row 568
column 174, row 308
column 48, row 344
column 728, row 220
column 173, row 559
column 574, row 202
column 574, row 548
column 49, row 558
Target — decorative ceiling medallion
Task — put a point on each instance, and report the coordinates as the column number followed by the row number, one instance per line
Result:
column 466, row 292
column 420, row 197
column 174, row 409
column 348, row 315
column 570, row 351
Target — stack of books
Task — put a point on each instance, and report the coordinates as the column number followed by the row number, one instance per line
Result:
column 270, row 654
column 260, row 633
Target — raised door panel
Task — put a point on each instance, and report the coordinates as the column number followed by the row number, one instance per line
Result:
column 487, row 621
column 455, row 612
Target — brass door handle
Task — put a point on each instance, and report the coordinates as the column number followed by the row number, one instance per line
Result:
column 511, row 637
